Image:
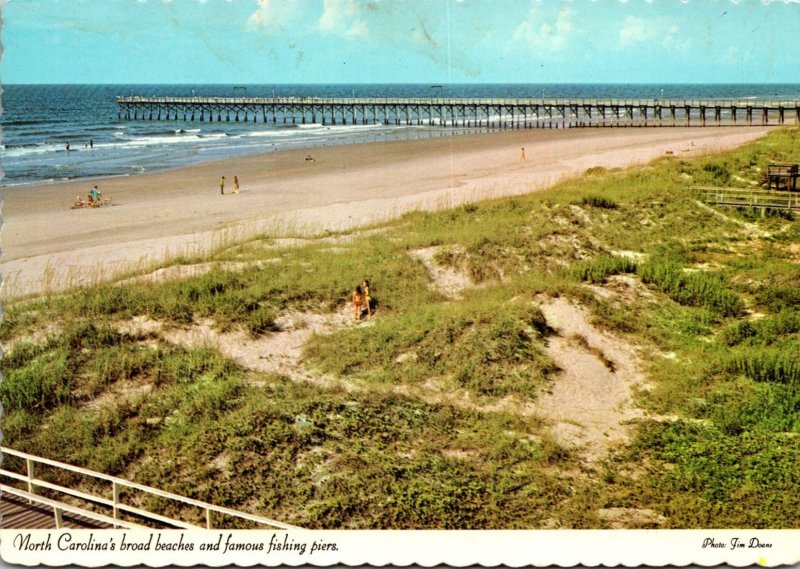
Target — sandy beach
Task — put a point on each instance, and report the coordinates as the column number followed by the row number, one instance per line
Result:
column 46, row 244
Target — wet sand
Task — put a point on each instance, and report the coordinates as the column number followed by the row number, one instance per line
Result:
column 156, row 215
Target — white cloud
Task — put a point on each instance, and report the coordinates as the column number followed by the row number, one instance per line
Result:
column 342, row 17
column 674, row 40
column 635, row 30
column 272, row 15
column 545, row 35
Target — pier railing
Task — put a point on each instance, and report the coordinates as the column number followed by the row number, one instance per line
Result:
column 519, row 101
column 112, row 501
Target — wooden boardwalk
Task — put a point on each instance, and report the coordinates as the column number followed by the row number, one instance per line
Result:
column 469, row 113
column 21, row 513
column 33, row 494
column 750, row 198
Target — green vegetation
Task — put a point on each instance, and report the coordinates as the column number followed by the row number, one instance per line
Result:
column 421, row 417
column 604, row 266
column 691, row 289
column 486, row 345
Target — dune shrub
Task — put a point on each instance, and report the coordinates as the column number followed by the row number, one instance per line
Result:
column 691, row 289
column 767, row 364
column 597, row 270
column 599, row 202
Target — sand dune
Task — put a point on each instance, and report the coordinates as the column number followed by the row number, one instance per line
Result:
column 46, row 244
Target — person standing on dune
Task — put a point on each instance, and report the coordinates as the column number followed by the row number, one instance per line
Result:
column 358, row 301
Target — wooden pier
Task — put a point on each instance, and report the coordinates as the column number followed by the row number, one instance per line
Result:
column 463, row 113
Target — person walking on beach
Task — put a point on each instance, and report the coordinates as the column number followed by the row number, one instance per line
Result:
column 236, row 184
column 222, row 186
column 358, row 301
column 367, row 297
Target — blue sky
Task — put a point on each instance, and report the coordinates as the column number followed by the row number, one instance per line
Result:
column 400, row 41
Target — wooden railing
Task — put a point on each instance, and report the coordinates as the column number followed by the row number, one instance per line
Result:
column 745, row 197
column 112, row 501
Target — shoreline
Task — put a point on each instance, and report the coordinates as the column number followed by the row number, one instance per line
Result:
column 323, row 143
column 160, row 214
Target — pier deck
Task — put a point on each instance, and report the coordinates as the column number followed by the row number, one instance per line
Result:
column 453, row 112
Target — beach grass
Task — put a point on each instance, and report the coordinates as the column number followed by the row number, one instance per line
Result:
column 419, row 417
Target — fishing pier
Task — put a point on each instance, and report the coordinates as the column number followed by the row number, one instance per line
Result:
column 463, row 113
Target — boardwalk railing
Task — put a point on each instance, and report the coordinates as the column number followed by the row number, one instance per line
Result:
column 113, row 500
column 463, row 112
column 751, row 198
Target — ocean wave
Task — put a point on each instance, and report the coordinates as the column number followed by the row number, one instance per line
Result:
column 21, row 145
column 39, row 132
column 121, row 142
column 67, row 136
column 29, row 150
column 100, row 128
column 6, row 122
column 271, row 133
column 152, row 131
column 143, row 141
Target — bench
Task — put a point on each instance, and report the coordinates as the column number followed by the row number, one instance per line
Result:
column 781, row 176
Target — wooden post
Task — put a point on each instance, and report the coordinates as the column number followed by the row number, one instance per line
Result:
column 115, row 493
column 29, row 465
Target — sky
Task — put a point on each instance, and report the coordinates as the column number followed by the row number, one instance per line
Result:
column 400, row 41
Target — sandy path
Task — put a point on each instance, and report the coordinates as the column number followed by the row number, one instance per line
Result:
column 156, row 215
column 590, row 399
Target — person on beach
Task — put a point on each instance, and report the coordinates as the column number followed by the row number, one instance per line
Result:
column 236, row 184
column 358, row 301
column 522, row 154
column 95, row 194
column 222, row 186
column 78, row 202
column 367, row 297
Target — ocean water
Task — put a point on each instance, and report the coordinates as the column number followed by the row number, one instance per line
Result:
column 38, row 121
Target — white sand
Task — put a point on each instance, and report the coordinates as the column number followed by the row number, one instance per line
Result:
column 47, row 245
